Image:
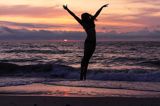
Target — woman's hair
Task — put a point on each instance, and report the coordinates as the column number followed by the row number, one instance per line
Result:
column 86, row 17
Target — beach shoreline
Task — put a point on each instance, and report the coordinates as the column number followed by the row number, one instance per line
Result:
column 71, row 91
column 52, row 95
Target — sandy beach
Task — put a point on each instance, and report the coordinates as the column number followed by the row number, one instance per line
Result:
column 76, row 101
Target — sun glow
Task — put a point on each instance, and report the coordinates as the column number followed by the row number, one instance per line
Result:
column 65, row 40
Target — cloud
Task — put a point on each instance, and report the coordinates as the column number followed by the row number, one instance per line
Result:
column 36, row 26
column 145, row 17
column 24, row 34
column 30, row 11
column 28, row 25
column 155, row 2
column 137, row 17
column 137, row 13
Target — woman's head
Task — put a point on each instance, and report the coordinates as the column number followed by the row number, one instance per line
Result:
column 86, row 16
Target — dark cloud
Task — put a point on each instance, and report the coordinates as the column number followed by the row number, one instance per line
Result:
column 24, row 34
column 28, row 25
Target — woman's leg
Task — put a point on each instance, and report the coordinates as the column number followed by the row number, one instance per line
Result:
column 84, row 66
column 82, row 69
column 88, row 52
column 85, row 70
column 85, row 62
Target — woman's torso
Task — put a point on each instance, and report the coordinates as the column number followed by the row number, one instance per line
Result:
column 89, row 27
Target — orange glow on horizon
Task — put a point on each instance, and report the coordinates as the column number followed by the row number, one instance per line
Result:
column 122, row 13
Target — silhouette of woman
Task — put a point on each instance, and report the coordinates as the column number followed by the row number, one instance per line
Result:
column 87, row 22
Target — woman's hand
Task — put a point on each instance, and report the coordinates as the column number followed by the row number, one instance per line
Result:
column 106, row 5
column 65, row 7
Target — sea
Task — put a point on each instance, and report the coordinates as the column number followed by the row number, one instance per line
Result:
column 131, row 65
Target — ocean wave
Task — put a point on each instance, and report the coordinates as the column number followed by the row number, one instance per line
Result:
column 13, row 69
column 126, row 59
column 151, row 63
column 38, row 51
column 138, row 60
column 20, row 60
column 52, row 70
column 109, row 75
column 15, row 81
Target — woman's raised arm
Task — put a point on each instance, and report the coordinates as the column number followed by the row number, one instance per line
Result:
column 98, row 12
column 69, row 11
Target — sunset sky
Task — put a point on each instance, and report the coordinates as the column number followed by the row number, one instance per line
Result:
column 46, row 19
column 120, row 16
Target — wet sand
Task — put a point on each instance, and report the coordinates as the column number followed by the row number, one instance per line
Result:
column 71, row 91
column 51, row 95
